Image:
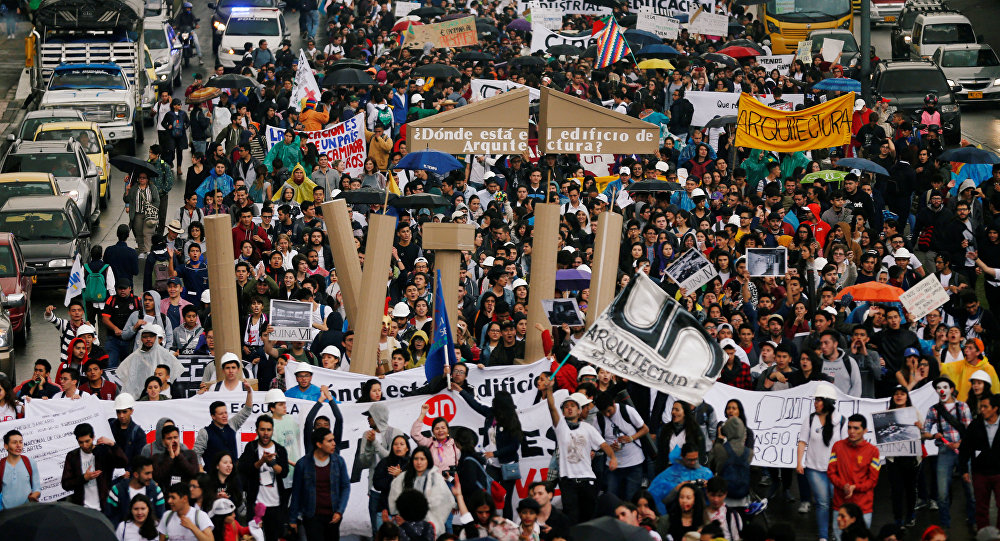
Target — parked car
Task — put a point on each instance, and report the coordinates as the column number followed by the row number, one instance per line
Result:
column 28, row 183
column 905, row 84
column 89, row 135
column 975, row 68
column 6, row 338
column 16, row 281
column 34, row 119
column 51, row 232
column 75, row 174
column 165, row 48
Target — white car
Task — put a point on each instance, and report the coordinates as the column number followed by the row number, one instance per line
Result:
column 165, row 48
column 250, row 25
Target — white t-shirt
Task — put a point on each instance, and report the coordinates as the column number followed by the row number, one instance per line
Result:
column 615, row 426
column 817, row 455
column 170, row 525
column 90, row 497
column 7, row 413
column 268, row 494
column 575, row 447
column 128, row 531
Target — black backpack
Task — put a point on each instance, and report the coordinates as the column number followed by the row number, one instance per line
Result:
column 736, row 472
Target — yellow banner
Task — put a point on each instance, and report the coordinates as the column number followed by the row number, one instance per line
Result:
column 820, row 126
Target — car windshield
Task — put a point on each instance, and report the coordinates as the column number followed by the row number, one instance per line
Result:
column 17, row 189
column 87, row 78
column 155, row 39
column 246, row 3
column 87, row 138
column 850, row 46
column 31, row 125
column 808, row 9
column 969, row 58
column 37, row 225
column 949, row 33
column 59, row 164
column 252, row 26
column 914, row 82
column 7, row 267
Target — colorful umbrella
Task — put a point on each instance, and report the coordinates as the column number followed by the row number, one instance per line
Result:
column 520, row 24
column 842, row 84
column 828, row 175
column 872, row 292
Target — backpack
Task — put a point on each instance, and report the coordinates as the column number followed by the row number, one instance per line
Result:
column 383, row 116
column 95, row 287
column 27, row 466
column 736, row 472
column 161, row 273
column 416, row 531
column 491, row 487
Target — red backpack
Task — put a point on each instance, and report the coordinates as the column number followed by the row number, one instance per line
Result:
column 27, row 466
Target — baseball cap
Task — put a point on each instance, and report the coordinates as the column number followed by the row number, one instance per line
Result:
column 624, row 171
column 304, row 368
column 420, row 260
column 222, row 507
column 911, row 352
column 416, row 98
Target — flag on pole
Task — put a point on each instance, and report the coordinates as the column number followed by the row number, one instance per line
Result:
column 391, row 186
column 75, row 284
column 306, row 88
column 611, row 45
column 442, row 349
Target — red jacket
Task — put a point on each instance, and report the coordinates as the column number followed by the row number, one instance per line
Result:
column 240, row 235
column 856, row 465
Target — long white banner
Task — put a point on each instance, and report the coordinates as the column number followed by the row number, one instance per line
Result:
column 542, row 38
column 708, row 105
column 583, row 7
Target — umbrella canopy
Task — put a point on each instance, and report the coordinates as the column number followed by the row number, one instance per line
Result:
column 719, row 58
column 130, row 164
column 739, row 51
column 606, row 528
column 429, row 160
column 872, row 292
column 743, row 42
column 427, row 12
column 474, row 55
column 572, row 280
column 969, row 155
column 404, row 24
column 862, row 164
column 62, row 521
column 628, row 20
column 842, row 84
column 520, row 24
column 348, row 77
column 436, row 70
column 642, row 37
column 453, row 16
column 527, row 61
column 203, row 94
column 365, row 196
column 828, row 175
column 652, row 186
column 721, row 121
column 232, row 80
column 655, row 64
column 564, row 49
column 421, row 201
column 658, row 50
column 487, row 30
column 347, row 63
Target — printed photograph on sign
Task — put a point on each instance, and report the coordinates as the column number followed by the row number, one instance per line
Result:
column 896, row 431
column 764, row 262
column 292, row 320
column 560, row 311
column 692, row 270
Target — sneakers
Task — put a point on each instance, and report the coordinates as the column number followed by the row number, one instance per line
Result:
column 934, row 505
column 920, row 504
column 804, row 507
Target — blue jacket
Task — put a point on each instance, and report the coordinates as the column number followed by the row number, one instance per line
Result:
column 671, row 477
column 400, row 105
column 116, row 507
column 303, row 504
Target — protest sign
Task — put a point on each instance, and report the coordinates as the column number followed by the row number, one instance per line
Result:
column 344, row 141
column 291, row 320
column 708, row 105
column 804, row 52
column 497, row 125
column 49, row 437
column 767, row 262
column 924, row 296
column 598, row 164
column 780, row 62
column 453, row 33
column 569, row 125
column 404, row 8
column 305, row 83
column 560, row 311
column 691, row 270
column 661, row 25
column 708, row 24
column 487, row 88
column 547, row 17
column 542, row 38
column 896, row 433
column 583, row 7
column 821, row 126
column 831, row 49
column 646, row 337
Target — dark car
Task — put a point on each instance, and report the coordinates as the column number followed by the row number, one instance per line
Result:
column 905, row 84
column 899, row 36
column 16, row 280
column 51, row 232
column 224, row 8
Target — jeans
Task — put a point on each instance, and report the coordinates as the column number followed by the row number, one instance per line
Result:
column 985, row 486
column 196, row 43
column 625, row 482
column 374, row 514
column 319, row 528
column 579, row 496
column 836, row 529
column 946, row 461
column 312, row 22
column 11, row 19
column 822, row 491
column 117, row 350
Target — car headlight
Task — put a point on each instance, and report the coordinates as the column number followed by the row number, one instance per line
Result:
column 950, row 82
column 60, row 263
column 772, row 28
column 74, row 194
column 121, row 111
column 949, row 108
column 846, row 24
column 230, row 51
column 219, row 26
column 907, row 39
column 4, row 337
column 996, row 82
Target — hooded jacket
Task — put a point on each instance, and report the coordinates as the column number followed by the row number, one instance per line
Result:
column 213, row 181
column 157, row 446
column 846, row 378
column 130, row 333
column 303, row 192
column 373, row 452
column 433, row 486
column 735, row 433
column 290, row 154
column 934, row 223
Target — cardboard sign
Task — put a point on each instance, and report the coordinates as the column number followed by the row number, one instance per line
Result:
column 453, row 33
column 661, row 25
column 487, row 88
column 709, row 24
column 924, row 296
column 547, row 17
column 767, row 262
column 497, row 125
column 804, row 52
column 780, row 62
column 542, row 38
column 561, row 311
column 569, row 125
column 292, row 321
column 896, row 433
column 831, row 49
column 708, row 105
column 821, row 126
column 344, row 141
column 404, row 8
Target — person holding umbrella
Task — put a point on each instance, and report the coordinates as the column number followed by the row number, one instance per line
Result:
column 142, row 203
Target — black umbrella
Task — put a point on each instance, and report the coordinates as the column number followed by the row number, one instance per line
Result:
column 565, row 49
column 427, row 12
column 348, row 77
column 723, row 59
column 527, row 61
column 436, row 70
column 347, row 63
column 591, row 52
column 629, row 20
column 485, row 20
column 365, row 196
column 721, row 121
column 474, row 55
column 232, row 80
column 62, row 521
column 652, row 186
column 131, row 164
column 421, row 201
column 487, row 30
column 605, row 528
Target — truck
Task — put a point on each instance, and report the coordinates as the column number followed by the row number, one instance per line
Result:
column 88, row 55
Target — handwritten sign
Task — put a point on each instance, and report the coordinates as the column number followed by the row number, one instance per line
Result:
column 453, row 33
column 708, row 105
column 548, row 17
column 344, row 141
column 661, row 25
column 542, row 38
column 404, row 8
column 926, row 295
column 780, row 62
column 709, row 24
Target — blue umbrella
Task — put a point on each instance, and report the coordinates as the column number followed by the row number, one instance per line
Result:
column 429, row 160
column 969, row 155
column 572, row 279
column 641, row 37
column 658, row 49
column 862, row 164
column 842, row 84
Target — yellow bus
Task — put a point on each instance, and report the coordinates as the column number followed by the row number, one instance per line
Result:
column 790, row 21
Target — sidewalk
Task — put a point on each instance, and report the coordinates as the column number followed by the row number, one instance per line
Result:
column 11, row 66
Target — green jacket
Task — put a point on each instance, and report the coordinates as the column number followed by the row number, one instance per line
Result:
column 422, row 113
column 289, row 154
column 164, row 180
column 756, row 166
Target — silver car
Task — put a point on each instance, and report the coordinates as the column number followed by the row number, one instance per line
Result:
column 972, row 66
column 165, row 48
column 76, row 176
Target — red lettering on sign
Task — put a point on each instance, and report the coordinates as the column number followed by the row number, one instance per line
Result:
column 522, row 484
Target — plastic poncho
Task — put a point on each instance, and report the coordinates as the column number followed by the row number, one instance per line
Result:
column 141, row 364
column 303, row 192
column 756, row 166
column 290, row 154
column 222, row 182
column 791, row 161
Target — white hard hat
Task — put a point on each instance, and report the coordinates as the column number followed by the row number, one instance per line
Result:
column 124, row 401
column 825, row 390
column 981, row 375
column 86, row 329
column 222, row 508
column 901, row 253
column 580, row 399
column 518, row 283
column 488, row 262
column 587, row 371
column 304, row 368
column 274, row 396
column 416, row 98
column 153, row 328
column 331, row 350
column 697, row 192
column 662, row 166
column 624, row 171
column 401, row 310
column 229, row 358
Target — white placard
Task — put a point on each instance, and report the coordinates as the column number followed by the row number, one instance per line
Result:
column 780, row 62
column 487, row 88
column 767, row 262
column 292, row 321
column 709, row 24
column 831, row 49
column 548, row 17
column 542, row 38
column 561, row 311
column 896, row 432
column 692, row 270
column 404, row 8
column 924, row 296
column 708, row 105
column 661, row 25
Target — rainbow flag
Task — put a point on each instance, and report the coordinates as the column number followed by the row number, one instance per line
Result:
column 611, row 45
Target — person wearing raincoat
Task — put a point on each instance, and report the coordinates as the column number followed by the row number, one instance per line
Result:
column 150, row 314
column 791, row 161
column 216, row 180
column 288, row 149
column 756, row 165
column 299, row 183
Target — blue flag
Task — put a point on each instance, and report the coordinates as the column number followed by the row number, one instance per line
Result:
column 442, row 349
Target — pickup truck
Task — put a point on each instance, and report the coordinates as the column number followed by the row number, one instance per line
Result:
column 103, row 93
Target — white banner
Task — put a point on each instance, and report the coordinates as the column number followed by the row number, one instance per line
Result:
column 924, row 296
column 547, row 17
column 599, row 164
column 780, row 62
column 661, row 25
column 542, row 38
column 404, row 8
column 48, row 438
column 487, row 88
column 344, row 141
column 709, row 24
column 582, row 7
column 305, row 84
column 518, row 380
column 708, row 105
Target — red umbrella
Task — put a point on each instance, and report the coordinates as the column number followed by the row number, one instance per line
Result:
column 739, row 51
column 404, row 24
column 872, row 292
